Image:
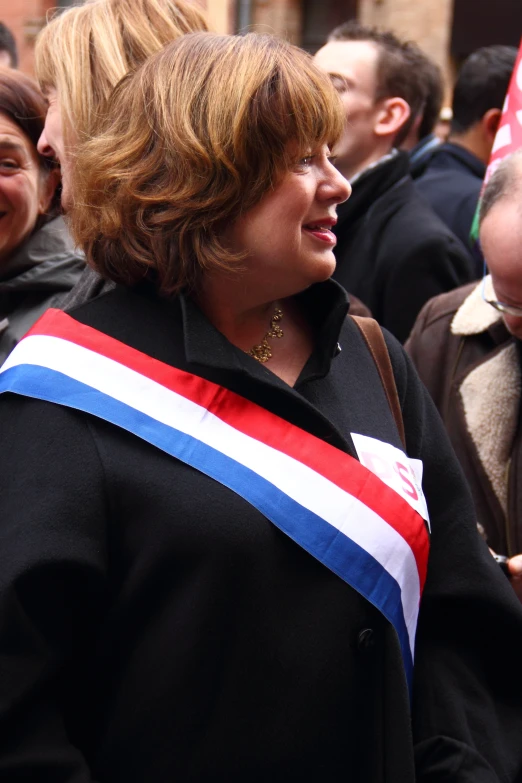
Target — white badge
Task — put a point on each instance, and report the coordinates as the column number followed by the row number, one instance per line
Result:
column 394, row 468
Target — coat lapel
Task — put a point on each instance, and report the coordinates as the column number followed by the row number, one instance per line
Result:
column 490, row 393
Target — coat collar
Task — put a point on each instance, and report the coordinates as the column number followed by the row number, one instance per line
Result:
column 424, row 148
column 475, row 316
column 490, row 396
column 371, row 185
column 47, row 260
column 459, row 155
column 490, row 390
column 325, row 305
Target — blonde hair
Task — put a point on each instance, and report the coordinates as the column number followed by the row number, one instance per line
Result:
column 195, row 138
column 85, row 51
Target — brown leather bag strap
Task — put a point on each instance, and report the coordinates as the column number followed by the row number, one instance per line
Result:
column 374, row 339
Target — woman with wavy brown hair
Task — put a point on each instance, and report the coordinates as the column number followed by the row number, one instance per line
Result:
column 213, row 544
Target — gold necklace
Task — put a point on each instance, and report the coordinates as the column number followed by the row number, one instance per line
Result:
column 262, row 352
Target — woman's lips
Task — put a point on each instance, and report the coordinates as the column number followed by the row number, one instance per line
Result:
column 323, row 234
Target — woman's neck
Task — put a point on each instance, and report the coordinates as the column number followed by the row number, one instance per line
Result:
column 245, row 318
column 241, row 316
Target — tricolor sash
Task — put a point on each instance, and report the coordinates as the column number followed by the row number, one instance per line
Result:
column 324, row 499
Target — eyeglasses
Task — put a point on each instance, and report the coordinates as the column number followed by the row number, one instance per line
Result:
column 502, row 307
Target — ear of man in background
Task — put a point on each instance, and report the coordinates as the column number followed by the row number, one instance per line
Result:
column 452, row 179
column 392, row 251
column 468, row 353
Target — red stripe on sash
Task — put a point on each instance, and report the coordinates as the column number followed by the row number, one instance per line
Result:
column 258, row 423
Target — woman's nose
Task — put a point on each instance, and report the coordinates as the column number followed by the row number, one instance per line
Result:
column 340, row 187
column 43, row 146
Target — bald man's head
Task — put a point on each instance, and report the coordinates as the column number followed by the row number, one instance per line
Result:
column 501, row 236
column 505, row 182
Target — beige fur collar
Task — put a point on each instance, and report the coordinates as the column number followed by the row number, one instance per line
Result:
column 490, row 396
column 475, row 315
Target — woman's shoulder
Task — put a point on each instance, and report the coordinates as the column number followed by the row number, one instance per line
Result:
column 137, row 317
column 37, row 435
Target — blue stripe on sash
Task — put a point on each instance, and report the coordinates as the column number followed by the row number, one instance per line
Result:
column 323, row 541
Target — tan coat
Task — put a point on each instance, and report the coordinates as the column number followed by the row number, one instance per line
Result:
column 471, row 367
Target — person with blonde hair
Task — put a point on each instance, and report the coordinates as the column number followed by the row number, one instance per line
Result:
column 213, row 544
column 79, row 58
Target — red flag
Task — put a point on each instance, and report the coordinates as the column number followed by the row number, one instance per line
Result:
column 509, row 133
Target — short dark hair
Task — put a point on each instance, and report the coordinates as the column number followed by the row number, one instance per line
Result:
column 433, row 95
column 8, row 44
column 399, row 73
column 505, row 180
column 481, row 85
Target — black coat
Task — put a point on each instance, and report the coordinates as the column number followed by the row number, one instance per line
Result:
column 392, row 251
column 156, row 627
column 451, row 184
column 37, row 276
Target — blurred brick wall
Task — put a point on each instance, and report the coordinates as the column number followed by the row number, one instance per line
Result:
column 24, row 18
column 280, row 17
column 427, row 22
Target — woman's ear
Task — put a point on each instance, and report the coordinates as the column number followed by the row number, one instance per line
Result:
column 49, row 181
column 392, row 115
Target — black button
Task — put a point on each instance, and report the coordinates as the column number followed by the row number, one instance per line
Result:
column 366, row 639
column 337, row 350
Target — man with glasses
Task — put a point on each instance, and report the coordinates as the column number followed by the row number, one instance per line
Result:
column 467, row 348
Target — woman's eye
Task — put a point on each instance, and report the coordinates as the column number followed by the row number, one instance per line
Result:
column 306, row 161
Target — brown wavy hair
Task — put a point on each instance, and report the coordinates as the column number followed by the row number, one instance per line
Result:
column 194, row 139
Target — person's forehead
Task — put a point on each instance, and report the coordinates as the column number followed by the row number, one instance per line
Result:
column 11, row 135
column 501, row 239
column 354, row 59
column 506, row 212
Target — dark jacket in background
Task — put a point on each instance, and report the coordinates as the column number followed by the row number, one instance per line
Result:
column 392, row 251
column 470, row 364
column 36, row 277
column 451, row 184
column 155, row 627
column 420, row 154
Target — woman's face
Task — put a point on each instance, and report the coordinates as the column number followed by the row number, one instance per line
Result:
column 23, row 190
column 52, row 145
column 288, row 236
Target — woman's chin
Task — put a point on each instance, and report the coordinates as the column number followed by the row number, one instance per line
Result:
column 325, row 269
